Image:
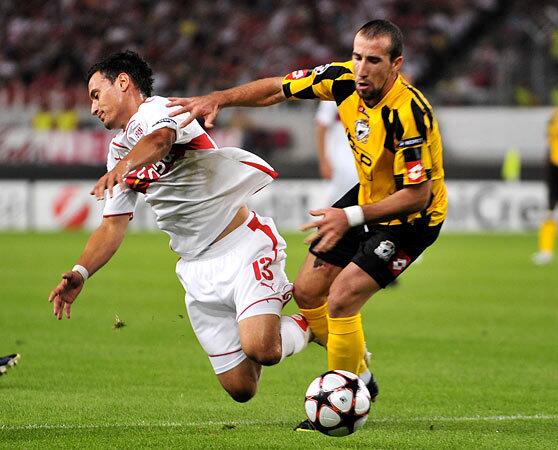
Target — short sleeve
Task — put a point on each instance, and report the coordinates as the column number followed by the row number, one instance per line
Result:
column 154, row 115
column 413, row 126
column 333, row 81
column 122, row 202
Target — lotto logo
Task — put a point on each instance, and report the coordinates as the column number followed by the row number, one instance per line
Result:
column 414, row 171
column 297, row 74
column 399, row 263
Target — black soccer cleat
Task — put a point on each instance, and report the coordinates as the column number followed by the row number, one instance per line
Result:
column 373, row 388
column 305, row 425
column 8, row 361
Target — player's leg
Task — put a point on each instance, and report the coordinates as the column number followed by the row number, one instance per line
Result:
column 381, row 258
column 267, row 339
column 320, row 269
column 261, row 289
column 311, row 290
column 241, row 382
column 348, row 293
column 547, row 229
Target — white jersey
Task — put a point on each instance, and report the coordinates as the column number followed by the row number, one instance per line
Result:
column 196, row 190
column 338, row 151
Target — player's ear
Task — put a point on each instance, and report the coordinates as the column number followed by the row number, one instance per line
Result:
column 397, row 63
column 123, row 81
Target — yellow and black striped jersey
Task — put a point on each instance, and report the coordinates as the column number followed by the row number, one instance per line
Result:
column 396, row 143
column 553, row 138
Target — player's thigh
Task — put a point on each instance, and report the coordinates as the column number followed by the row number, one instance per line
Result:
column 260, row 338
column 241, row 382
column 312, row 283
column 213, row 320
column 350, row 290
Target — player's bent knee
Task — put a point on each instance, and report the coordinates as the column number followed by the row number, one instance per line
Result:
column 242, row 394
column 264, row 353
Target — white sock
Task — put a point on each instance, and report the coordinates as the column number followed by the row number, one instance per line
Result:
column 365, row 376
column 295, row 334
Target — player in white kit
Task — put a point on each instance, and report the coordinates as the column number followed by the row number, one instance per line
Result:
column 335, row 155
column 231, row 260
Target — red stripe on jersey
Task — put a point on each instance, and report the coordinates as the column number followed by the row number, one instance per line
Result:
column 224, row 354
column 272, row 173
column 202, row 142
column 259, row 301
column 255, row 224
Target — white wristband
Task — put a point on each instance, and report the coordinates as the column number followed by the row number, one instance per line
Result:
column 82, row 271
column 355, row 215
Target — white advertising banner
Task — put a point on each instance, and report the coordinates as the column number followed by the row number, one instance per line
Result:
column 474, row 206
column 14, row 205
column 67, row 205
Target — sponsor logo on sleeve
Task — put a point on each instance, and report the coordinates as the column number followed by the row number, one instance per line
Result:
column 415, row 171
column 412, row 142
column 298, row 74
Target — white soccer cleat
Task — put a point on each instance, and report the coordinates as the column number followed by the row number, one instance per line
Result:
column 542, row 258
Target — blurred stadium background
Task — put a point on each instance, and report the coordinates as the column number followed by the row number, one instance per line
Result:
column 489, row 67
column 470, row 333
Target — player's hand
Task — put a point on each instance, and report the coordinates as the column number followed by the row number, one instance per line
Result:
column 109, row 180
column 206, row 107
column 63, row 295
column 326, row 172
column 331, row 226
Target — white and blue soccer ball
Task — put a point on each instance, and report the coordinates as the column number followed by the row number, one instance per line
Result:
column 337, row 403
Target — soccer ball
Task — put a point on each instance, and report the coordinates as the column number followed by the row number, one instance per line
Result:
column 337, row 403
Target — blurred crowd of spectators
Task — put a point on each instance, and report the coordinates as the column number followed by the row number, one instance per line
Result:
column 197, row 46
column 515, row 61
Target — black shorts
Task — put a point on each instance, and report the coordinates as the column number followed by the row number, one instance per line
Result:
column 382, row 251
column 552, row 183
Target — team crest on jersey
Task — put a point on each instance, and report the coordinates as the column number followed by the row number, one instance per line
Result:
column 321, row 69
column 362, row 130
column 298, row 74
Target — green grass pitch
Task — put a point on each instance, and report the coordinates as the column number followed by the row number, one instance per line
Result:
column 465, row 352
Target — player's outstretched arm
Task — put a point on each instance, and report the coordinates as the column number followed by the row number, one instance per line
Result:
column 264, row 92
column 333, row 223
column 150, row 149
column 100, row 247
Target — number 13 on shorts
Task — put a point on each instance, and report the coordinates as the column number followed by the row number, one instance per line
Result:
column 261, row 269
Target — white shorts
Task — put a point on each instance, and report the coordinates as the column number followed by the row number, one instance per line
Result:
column 239, row 276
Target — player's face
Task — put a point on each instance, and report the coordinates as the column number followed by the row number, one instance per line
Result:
column 374, row 70
column 106, row 100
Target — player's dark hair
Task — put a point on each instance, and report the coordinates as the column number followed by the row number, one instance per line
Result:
column 380, row 27
column 125, row 62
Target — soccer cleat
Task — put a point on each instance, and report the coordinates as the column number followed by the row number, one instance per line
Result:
column 542, row 258
column 373, row 388
column 8, row 361
column 305, row 425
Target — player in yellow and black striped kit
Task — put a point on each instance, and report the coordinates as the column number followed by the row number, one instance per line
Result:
column 547, row 230
column 374, row 232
